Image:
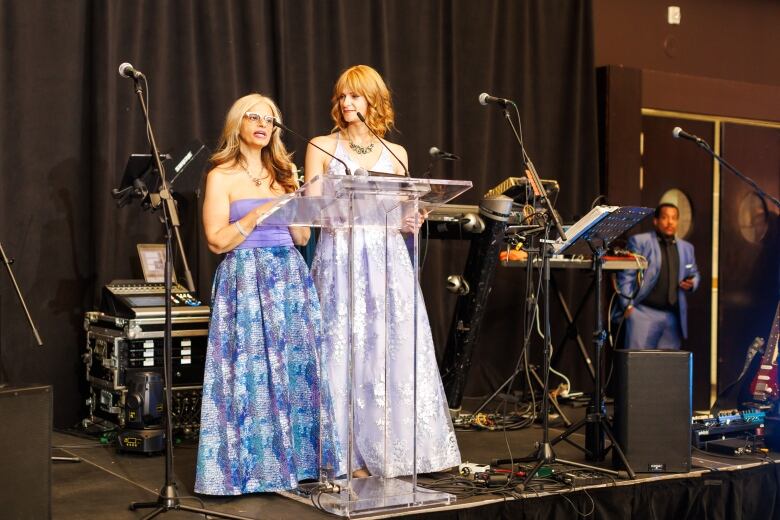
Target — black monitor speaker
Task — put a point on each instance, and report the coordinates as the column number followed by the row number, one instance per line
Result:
column 653, row 409
column 25, row 437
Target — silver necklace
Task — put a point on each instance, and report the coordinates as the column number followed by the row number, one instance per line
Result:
column 257, row 180
column 361, row 150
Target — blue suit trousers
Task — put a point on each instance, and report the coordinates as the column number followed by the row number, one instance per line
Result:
column 649, row 328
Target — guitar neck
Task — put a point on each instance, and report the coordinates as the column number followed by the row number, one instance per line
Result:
column 765, row 385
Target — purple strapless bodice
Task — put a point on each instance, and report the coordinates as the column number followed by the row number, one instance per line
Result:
column 261, row 236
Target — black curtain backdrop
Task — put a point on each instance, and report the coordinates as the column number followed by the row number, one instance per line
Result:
column 69, row 123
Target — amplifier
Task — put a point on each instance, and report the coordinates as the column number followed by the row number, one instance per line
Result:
column 111, row 406
column 118, row 347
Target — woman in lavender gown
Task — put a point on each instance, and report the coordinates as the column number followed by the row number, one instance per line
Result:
column 260, row 417
column 383, row 398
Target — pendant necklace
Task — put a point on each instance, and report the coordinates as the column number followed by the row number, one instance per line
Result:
column 258, row 181
column 361, row 150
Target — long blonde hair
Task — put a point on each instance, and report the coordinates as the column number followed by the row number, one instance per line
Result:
column 367, row 82
column 275, row 157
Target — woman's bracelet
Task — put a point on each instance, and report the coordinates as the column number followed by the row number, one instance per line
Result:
column 240, row 229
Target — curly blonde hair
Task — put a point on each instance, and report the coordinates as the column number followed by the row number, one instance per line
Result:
column 275, row 157
column 367, row 82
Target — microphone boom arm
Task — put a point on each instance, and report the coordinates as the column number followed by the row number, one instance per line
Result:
column 363, row 119
column 744, row 178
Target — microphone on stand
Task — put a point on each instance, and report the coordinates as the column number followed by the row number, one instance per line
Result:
column 279, row 124
column 363, row 119
column 679, row 133
column 126, row 70
column 435, row 153
column 486, row 98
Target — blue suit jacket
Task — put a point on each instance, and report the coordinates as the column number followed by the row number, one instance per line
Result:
column 646, row 244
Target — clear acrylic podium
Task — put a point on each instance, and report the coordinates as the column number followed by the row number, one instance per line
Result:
column 356, row 206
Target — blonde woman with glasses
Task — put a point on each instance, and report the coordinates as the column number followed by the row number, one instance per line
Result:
column 261, row 422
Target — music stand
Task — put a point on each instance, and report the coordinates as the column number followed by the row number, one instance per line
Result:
column 602, row 226
column 192, row 157
column 140, row 180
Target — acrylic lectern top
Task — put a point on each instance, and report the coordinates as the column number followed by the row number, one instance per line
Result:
column 347, row 201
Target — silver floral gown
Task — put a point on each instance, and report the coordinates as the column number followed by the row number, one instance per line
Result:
column 383, row 395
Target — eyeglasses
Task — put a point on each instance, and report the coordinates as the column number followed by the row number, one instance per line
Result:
column 254, row 117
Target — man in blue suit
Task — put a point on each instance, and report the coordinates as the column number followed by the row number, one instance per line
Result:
column 656, row 312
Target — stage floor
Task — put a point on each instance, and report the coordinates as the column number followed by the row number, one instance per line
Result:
column 105, row 481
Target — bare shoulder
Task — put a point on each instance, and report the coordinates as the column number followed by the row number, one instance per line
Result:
column 327, row 142
column 396, row 148
column 222, row 175
column 327, row 138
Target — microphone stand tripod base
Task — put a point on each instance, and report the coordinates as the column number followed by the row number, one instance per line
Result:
column 169, row 500
column 545, row 455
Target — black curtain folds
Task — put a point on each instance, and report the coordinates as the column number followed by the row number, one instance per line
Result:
column 69, row 123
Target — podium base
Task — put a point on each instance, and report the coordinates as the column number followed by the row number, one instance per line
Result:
column 374, row 494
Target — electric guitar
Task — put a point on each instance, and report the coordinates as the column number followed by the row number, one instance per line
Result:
column 765, row 385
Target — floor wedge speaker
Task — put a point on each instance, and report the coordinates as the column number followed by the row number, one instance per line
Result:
column 25, row 437
column 653, row 409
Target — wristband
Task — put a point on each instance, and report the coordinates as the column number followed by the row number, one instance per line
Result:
column 240, row 229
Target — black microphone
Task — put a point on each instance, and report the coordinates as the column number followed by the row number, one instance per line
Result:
column 126, row 70
column 279, row 124
column 679, row 133
column 486, row 98
column 363, row 119
column 439, row 154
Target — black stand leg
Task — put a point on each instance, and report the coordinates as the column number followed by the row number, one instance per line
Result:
column 168, row 498
column 7, row 261
column 596, row 422
column 553, row 401
column 572, row 332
